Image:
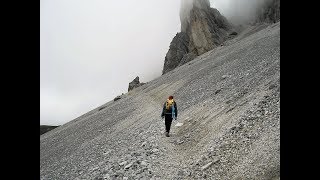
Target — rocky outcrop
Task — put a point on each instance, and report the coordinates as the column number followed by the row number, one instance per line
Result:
column 178, row 48
column 269, row 12
column 134, row 84
column 202, row 29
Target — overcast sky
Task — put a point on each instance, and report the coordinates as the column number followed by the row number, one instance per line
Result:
column 91, row 49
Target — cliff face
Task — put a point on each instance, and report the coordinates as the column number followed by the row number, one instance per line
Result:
column 202, row 29
column 206, row 30
column 178, row 49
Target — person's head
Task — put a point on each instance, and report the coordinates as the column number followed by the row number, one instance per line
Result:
column 170, row 97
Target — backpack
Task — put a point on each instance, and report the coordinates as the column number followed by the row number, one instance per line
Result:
column 169, row 104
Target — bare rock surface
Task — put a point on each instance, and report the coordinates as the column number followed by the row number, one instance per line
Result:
column 229, row 103
column 202, row 29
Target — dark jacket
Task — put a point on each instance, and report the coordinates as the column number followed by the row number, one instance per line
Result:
column 169, row 111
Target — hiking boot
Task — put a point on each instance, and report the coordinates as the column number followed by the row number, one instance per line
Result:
column 167, row 134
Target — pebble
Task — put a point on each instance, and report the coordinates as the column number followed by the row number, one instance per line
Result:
column 206, row 166
column 143, row 163
column 128, row 166
column 123, row 163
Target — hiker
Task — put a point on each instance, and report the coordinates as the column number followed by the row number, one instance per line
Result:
column 169, row 111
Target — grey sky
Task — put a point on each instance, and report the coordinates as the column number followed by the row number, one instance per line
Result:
column 91, row 49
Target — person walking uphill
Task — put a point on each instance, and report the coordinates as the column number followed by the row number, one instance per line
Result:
column 169, row 112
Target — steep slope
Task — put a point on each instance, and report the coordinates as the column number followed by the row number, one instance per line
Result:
column 228, row 100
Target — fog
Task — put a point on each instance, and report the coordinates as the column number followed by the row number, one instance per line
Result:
column 91, row 49
column 238, row 11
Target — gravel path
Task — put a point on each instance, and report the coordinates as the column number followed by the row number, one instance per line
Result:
column 229, row 104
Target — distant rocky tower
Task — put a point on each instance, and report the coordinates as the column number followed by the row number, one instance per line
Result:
column 202, row 29
column 134, row 84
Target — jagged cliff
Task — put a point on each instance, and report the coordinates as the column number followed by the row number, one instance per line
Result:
column 202, row 29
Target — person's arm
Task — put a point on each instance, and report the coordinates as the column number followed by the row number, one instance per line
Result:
column 176, row 109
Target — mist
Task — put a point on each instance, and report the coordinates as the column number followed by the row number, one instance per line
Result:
column 238, row 11
column 186, row 6
column 91, row 50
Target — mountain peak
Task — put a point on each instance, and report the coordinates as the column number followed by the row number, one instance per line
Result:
column 202, row 29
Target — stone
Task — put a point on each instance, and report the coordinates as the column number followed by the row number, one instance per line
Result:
column 233, row 33
column 123, row 163
column 116, row 98
column 143, row 163
column 206, row 166
column 143, row 144
column 225, row 76
column 155, row 150
column 180, row 141
column 128, row 166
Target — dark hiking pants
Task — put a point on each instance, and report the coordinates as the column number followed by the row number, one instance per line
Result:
column 168, row 121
